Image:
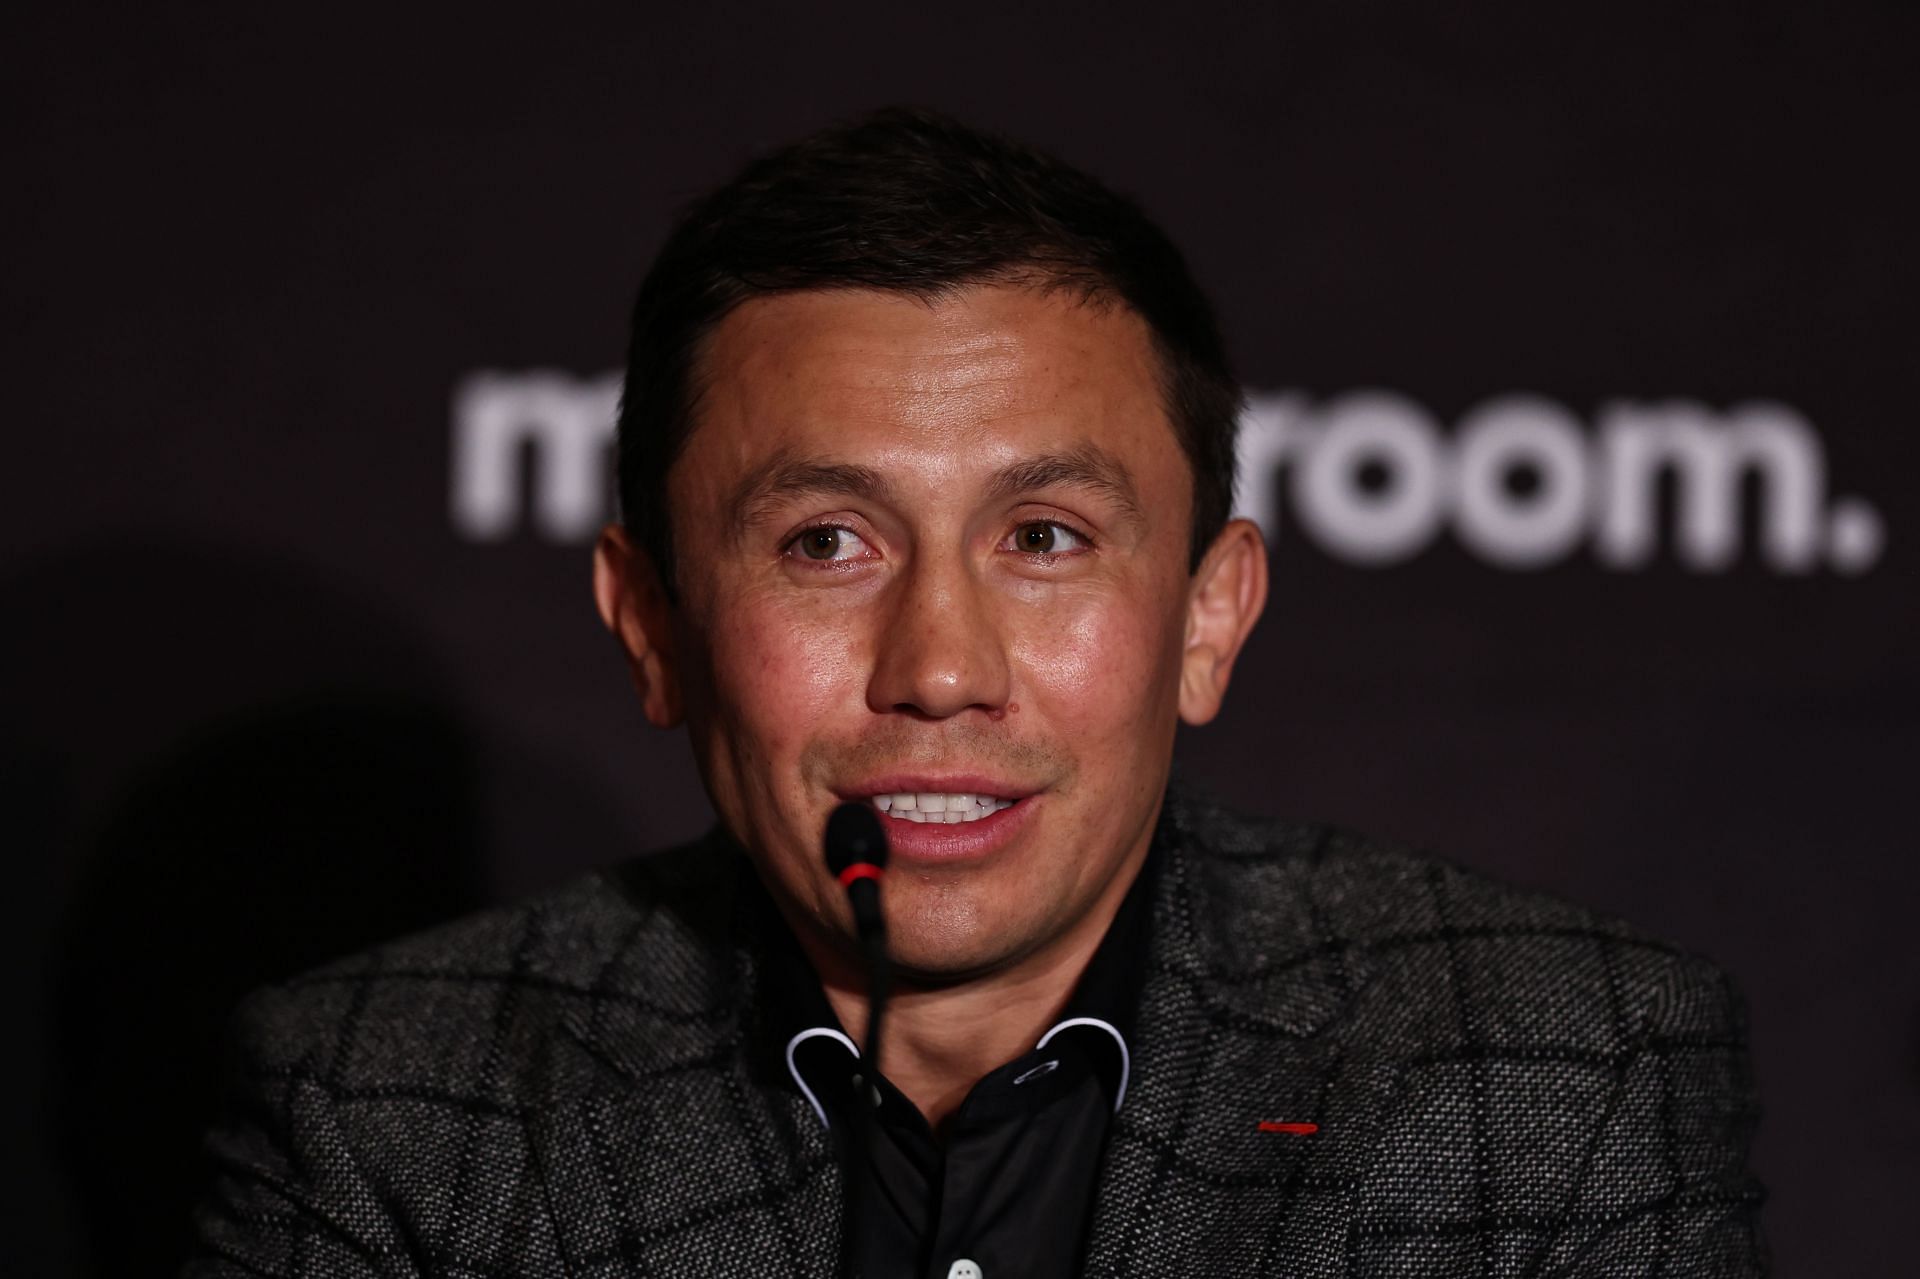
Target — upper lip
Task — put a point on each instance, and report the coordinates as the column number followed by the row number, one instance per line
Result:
column 937, row 784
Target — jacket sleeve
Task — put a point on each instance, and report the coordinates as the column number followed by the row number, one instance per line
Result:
column 1665, row 1188
column 288, row 1198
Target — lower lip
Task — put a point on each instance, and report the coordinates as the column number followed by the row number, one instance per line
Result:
column 930, row 842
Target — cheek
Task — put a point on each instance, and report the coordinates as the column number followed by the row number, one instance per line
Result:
column 1098, row 664
column 778, row 674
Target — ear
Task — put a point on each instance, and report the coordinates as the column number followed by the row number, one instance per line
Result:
column 1223, row 602
column 633, row 604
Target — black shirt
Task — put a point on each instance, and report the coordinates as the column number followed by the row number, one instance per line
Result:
column 1011, row 1187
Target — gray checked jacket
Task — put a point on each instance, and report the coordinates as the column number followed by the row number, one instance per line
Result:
column 1502, row 1085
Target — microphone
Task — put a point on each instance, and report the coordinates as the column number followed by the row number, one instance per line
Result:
column 856, row 848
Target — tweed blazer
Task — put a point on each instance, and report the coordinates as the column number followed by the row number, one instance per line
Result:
column 1502, row 1084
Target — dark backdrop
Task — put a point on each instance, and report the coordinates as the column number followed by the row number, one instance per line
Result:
column 282, row 674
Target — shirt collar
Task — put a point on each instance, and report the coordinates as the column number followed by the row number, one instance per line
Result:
column 798, row 1023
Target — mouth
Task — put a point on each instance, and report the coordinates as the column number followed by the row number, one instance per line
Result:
column 949, row 819
column 948, row 808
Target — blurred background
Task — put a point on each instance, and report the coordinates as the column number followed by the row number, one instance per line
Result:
column 1581, row 347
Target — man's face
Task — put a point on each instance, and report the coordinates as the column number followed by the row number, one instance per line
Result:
column 935, row 555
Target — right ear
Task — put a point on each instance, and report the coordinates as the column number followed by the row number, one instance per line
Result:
column 633, row 604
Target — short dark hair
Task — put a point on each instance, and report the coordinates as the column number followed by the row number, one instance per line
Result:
column 910, row 201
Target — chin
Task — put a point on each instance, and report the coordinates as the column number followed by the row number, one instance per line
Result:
column 943, row 949
column 944, row 970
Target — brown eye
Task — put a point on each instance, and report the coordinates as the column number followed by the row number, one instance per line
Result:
column 1045, row 537
column 1035, row 538
column 828, row 544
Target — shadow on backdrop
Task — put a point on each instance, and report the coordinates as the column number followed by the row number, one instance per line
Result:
column 284, row 840
column 240, row 773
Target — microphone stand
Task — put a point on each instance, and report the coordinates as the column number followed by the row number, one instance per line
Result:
column 856, row 849
column 867, row 1097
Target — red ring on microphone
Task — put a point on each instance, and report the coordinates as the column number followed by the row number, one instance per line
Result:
column 859, row 870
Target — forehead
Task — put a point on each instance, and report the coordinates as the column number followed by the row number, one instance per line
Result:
column 981, row 375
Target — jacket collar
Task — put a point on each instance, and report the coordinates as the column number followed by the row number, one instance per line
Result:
column 1238, row 956
column 690, row 933
column 1237, row 920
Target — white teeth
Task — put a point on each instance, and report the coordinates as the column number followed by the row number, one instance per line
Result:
column 939, row 808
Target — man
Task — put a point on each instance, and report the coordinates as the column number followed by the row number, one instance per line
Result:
column 926, row 462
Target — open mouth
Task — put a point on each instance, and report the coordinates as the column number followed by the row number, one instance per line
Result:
column 940, row 808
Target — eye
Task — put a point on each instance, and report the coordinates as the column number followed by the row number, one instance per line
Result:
column 1045, row 537
column 827, row 543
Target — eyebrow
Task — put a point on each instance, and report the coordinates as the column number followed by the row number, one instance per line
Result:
column 759, row 495
column 1088, row 467
column 763, row 491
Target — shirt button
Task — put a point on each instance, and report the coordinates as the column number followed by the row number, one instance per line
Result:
column 964, row 1269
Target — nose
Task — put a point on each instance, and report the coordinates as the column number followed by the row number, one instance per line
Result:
column 940, row 648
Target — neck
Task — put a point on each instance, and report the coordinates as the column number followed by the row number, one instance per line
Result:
column 940, row 1039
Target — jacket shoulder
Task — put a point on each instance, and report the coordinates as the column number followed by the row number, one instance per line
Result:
column 497, row 983
column 1519, row 963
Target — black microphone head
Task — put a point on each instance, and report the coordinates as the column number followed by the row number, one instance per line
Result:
column 854, row 835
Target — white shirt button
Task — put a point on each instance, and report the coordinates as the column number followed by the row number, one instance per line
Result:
column 964, row 1269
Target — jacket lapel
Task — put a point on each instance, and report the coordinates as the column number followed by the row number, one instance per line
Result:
column 1242, row 1022
column 665, row 1146
column 665, row 1184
